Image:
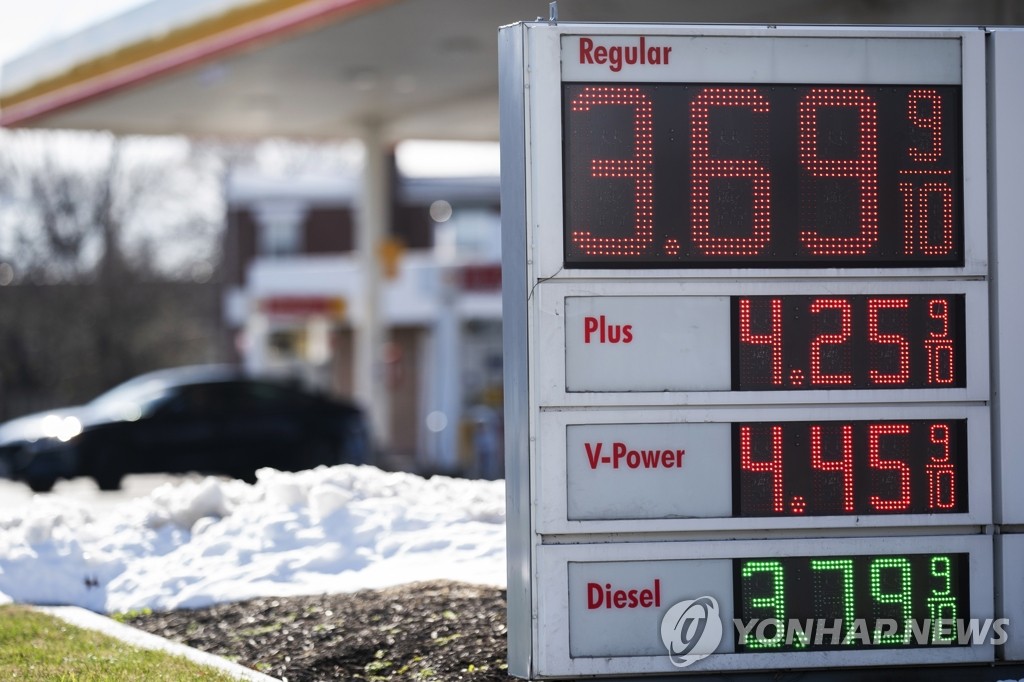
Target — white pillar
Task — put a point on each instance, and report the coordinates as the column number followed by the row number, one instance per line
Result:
column 444, row 417
column 372, row 224
column 257, row 329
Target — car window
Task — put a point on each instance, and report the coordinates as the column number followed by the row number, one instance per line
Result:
column 152, row 403
column 266, row 397
column 145, row 385
column 195, row 400
column 134, row 391
column 130, row 405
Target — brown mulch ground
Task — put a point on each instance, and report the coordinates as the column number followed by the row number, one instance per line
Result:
column 421, row 631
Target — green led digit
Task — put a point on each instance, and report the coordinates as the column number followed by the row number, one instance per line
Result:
column 942, row 607
column 845, row 567
column 902, row 598
column 776, row 602
column 942, row 568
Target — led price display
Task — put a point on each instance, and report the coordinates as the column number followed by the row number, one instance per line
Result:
column 914, row 466
column 852, row 602
column 848, row 342
column 671, row 175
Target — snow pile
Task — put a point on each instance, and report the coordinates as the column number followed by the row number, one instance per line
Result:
column 197, row 543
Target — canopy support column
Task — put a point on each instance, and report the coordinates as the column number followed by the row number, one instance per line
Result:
column 371, row 333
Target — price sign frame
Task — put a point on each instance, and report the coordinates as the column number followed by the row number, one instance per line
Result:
column 1007, row 49
column 762, row 57
column 555, row 480
column 554, row 335
column 556, row 594
column 544, row 393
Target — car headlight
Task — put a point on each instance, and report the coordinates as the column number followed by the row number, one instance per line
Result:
column 61, row 428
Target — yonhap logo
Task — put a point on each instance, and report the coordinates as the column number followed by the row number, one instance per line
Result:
column 691, row 630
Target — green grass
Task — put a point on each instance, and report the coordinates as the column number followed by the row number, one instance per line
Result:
column 36, row 646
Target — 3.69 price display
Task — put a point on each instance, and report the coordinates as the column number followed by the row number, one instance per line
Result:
column 848, row 342
column 674, row 174
column 851, row 602
column 915, row 466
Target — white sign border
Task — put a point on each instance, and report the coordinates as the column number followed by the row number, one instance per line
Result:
column 550, row 344
column 546, row 163
column 553, row 620
column 551, row 502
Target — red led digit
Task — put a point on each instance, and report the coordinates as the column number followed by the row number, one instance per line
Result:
column 846, row 326
column 941, row 359
column 931, row 122
column 939, row 346
column 772, row 466
column 939, row 435
column 772, row 338
column 706, row 168
column 909, row 227
column 864, row 168
column 945, row 195
column 875, row 461
column 898, row 340
column 843, row 465
column 638, row 168
column 940, row 471
column 916, row 233
column 938, row 310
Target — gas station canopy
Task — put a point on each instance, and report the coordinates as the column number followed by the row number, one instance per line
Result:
column 329, row 68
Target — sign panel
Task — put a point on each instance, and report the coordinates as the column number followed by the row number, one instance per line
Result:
column 647, row 471
column 768, row 152
column 706, row 606
column 748, row 269
column 725, row 469
column 629, row 597
column 778, row 342
column 684, row 343
column 763, row 342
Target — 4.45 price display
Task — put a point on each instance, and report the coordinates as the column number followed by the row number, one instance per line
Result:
column 859, row 468
column 848, row 342
column 851, row 602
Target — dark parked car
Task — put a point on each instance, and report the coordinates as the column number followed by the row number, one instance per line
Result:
column 209, row 419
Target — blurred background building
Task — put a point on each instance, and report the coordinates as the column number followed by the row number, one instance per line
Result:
column 371, row 282
column 294, row 287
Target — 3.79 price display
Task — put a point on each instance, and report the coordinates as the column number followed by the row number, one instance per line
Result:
column 915, row 466
column 676, row 174
column 851, row 602
column 848, row 342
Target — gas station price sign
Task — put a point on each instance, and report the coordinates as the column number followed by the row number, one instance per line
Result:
column 712, row 175
column 746, row 302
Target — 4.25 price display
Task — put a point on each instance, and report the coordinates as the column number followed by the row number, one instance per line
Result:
column 848, row 342
column 859, row 468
